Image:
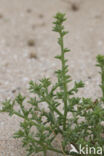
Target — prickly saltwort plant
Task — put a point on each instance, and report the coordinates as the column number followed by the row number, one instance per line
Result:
column 51, row 122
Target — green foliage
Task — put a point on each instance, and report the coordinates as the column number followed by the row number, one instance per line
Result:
column 79, row 122
column 100, row 60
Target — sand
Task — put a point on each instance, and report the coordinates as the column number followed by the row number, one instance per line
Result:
column 28, row 47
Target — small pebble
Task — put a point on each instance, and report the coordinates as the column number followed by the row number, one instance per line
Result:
column 29, row 10
column 89, row 77
column 1, row 16
column 32, row 55
column 31, row 43
column 14, row 90
column 41, row 15
column 74, row 7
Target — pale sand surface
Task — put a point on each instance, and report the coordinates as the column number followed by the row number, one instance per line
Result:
column 23, row 20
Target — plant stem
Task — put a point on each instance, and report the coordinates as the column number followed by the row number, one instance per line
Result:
column 64, row 82
column 45, row 153
column 55, row 109
column 102, row 77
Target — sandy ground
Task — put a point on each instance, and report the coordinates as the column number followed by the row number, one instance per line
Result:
column 27, row 48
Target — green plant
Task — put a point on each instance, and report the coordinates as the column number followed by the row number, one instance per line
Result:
column 51, row 123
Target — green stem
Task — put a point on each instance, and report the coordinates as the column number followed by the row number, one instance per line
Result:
column 45, row 153
column 64, row 82
column 55, row 109
column 102, row 77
